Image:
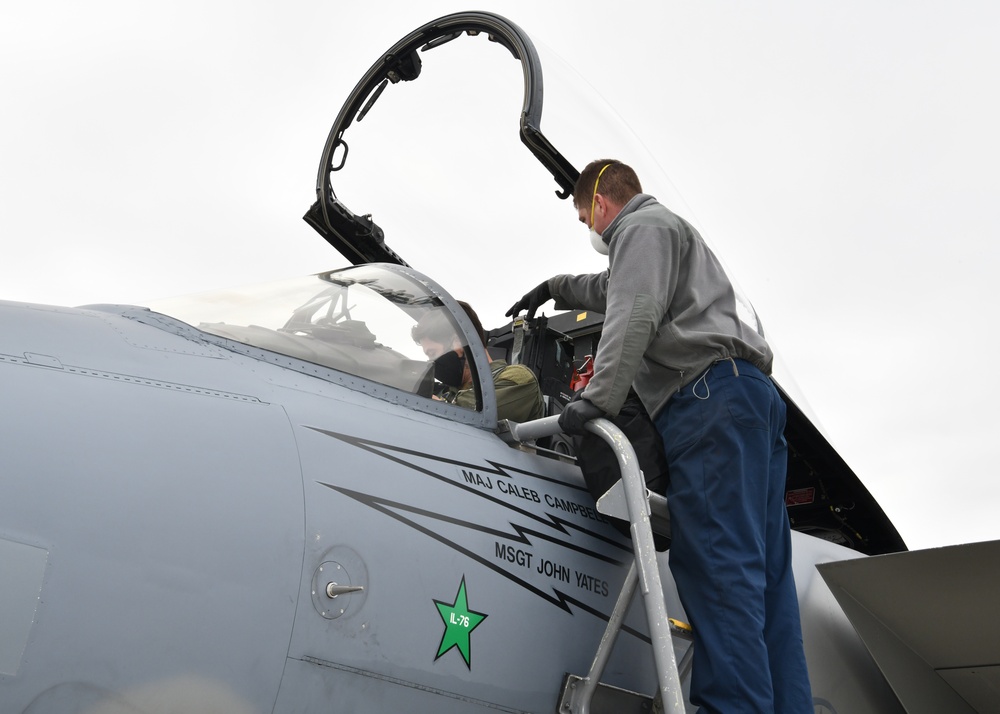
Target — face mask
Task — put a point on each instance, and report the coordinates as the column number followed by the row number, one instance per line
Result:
column 449, row 369
column 597, row 242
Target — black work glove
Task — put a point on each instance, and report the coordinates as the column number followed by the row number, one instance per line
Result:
column 532, row 301
column 577, row 413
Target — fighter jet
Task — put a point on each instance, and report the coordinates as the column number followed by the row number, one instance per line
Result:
column 252, row 501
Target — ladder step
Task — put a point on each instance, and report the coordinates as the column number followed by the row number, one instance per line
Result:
column 681, row 630
column 613, row 504
column 606, row 699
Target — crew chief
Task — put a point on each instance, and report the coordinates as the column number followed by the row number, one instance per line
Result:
column 672, row 329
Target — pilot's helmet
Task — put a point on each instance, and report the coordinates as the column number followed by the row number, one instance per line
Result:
column 437, row 336
column 436, row 326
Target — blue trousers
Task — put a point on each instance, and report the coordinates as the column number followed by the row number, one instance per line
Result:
column 731, row 549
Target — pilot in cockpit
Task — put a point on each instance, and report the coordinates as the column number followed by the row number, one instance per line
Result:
column 519, row 398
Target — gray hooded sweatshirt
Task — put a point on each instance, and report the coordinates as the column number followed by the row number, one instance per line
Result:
column 670, row 311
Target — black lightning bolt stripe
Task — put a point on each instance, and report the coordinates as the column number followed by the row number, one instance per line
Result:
column 555, row 597
column 521, row 531
column 560, row 524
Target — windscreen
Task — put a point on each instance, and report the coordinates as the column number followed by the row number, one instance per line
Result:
column 367, row 321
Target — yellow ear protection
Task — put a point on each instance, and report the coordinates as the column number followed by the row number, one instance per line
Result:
column 594, row 198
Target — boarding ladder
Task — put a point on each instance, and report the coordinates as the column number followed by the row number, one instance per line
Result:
column 630, row 500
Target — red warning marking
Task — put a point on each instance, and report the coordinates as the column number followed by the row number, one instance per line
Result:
column 800, row 496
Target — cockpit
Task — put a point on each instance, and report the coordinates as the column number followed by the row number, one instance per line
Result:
column 382, row 326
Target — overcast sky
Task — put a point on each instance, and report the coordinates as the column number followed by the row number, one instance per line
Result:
column 842, row 158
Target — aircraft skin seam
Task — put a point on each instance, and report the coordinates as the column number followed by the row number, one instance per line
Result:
column 405, row 683
column 346, row 380
column 130, row 379
column 190, row 335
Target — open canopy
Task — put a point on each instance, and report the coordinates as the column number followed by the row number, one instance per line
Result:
column 425, row 164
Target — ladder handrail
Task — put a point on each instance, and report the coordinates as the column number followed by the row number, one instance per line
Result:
column 642, row 543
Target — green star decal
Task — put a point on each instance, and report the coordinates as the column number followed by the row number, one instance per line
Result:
column 459, row 622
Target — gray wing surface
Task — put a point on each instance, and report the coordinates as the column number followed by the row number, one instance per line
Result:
column 929, row 620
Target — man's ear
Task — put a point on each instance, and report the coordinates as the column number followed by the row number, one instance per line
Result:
column 600, row 202
column 609, row 209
